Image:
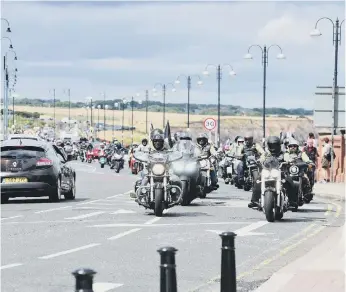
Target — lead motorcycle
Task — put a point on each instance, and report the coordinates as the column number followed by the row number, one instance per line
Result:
column 160, row 193
column 273, row 200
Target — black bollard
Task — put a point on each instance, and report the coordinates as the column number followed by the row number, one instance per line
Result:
column 84, row 280
column 168, row 276
column 228, row 281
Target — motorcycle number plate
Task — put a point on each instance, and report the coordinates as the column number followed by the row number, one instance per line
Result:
column 229, row 169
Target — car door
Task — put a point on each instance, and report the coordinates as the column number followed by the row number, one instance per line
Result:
column 66, row 171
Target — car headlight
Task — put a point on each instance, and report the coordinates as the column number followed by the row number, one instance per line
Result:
column 294, row 169
column 158, row 169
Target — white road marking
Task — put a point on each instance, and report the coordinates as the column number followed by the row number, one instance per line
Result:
column 121, row 211
column 10, row 266
column 247, row 230
column 164, row 224
column 54, row 209
column 115, row 196
column 89, row 202
column 120, row 235
column 68, row 251
column 104, row 287
column 5, row 218
column 85, row 216
column 151, row 221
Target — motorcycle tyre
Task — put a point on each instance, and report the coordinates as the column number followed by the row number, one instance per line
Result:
column 158, row 208
column 186, row 200
column 269, row 206
column 102, row 165
column 247, row 187
column 117, row 167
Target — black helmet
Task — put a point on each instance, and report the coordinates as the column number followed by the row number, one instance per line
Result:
column 202, row 139
column 177, row 136
column 185, row 136
column 158, row 141
column 145, row 141
column 248, row 140
column 156, row 132
column 274, row 145
column 236, row 139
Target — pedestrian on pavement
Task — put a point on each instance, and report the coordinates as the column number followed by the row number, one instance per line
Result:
column 312, row 136
column 326, row 158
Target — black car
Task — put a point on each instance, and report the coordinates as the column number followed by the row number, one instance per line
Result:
column 35, row 169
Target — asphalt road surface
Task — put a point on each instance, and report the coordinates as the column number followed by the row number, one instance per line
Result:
column 104, row 229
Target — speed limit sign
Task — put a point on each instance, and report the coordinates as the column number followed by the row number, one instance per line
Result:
column 209, row 124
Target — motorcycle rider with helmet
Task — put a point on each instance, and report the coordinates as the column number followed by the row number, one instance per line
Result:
column 312, row 153
column 238, row 152
column 158, row 145
column 144, row 147
column 204, row 148
column 274, row 150
column 293, row 153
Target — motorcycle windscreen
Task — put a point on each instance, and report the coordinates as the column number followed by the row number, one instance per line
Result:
column 173, row 156
column 141, row 156
column 186, row 147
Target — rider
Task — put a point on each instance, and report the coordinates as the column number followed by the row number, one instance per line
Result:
column 238, row 152
column 273, row 149
column 144, row 147
column 204, row 148
column 293, row 154
column 312, row 153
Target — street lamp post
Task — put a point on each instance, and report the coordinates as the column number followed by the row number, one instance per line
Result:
column 104, row 115
column 265, row 55
column 132, row 104
column 146, row 110
column 164, row 87
column 104, row 129
column 115, row 106
column 98, row 119
column 219, row 69
column 68, row 92
column 336, row 42
column 188, row 79
column 123, row 102
column 54, row 121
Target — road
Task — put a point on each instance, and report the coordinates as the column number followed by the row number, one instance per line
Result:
column 104, row 229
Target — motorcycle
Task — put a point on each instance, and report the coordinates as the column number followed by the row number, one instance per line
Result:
column 135, row 166
column 117, row 161
column 228, row 169
column 102, row 159
column 82, row 155
column 188, row 171
column 205, row 178
column 273, row 200
column 90, row 156
column 69, row 151
column 159, row 194
column 250, row 172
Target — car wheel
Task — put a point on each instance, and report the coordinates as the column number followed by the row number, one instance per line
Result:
column 4, row 199
column 55, row 195
column 71, row 194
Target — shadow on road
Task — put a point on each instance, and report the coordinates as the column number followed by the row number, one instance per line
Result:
column 302, row 219
column 312, row 210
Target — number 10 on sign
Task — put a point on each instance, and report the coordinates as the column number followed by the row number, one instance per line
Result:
column 209, row 124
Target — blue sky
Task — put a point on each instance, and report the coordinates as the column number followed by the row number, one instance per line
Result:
column 125, row 48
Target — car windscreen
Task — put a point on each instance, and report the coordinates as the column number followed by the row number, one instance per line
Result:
column 21, row 152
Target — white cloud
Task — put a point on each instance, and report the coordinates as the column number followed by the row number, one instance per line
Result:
column 122, row 48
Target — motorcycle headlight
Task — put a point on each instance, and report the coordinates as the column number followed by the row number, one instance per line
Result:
column 158, row 169
column 203, row 163
column 294, row 170
column 274, row 173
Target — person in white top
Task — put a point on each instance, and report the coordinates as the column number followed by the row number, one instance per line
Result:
column 312, row 136
column 326, row 155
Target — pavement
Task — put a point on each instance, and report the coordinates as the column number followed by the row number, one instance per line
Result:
column 334, row 191
column 104, row 229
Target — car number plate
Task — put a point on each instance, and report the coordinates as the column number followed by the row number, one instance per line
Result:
column 229, row 169
column 8, row 180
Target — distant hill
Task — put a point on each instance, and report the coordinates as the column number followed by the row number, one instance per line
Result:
column 156, row 106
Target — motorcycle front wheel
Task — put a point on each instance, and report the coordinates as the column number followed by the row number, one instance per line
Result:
column 269, row 206
column 186, row 200
column 117, row 167
column 158, row 209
